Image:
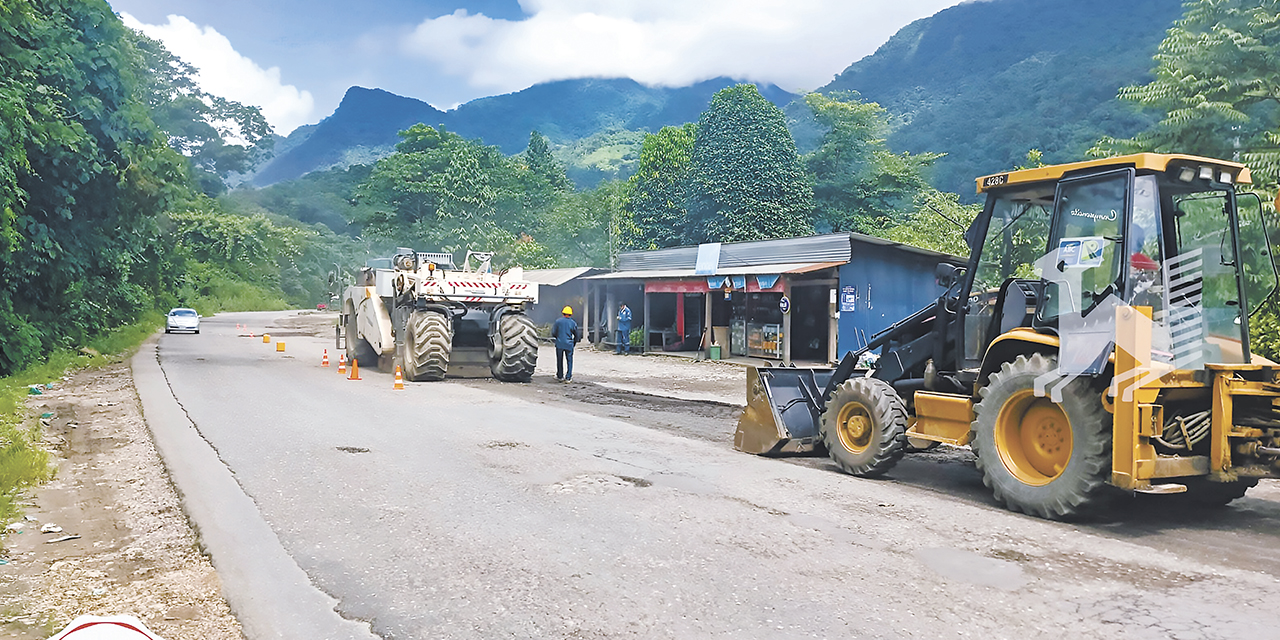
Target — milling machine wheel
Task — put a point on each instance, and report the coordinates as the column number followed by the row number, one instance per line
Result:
column 358, row 348
column 864, row 427
column 427, row 344
column 514, row 353
column 1038, row 457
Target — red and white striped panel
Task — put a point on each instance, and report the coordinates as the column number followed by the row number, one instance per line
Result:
column 474, row 285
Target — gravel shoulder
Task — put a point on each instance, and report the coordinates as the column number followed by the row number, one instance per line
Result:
column 135, row 553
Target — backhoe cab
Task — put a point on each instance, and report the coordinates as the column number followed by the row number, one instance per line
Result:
column 1097, row 338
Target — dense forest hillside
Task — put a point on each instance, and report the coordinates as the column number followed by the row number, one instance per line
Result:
column 365, row 124
column 984, row 82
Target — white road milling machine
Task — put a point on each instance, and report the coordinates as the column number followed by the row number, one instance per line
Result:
column 419, row 311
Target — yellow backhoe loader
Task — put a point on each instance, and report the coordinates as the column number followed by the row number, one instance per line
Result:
column 1098, row 339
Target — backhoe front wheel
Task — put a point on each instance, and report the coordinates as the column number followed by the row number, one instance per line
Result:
column 864, row 427
column 1039, row 457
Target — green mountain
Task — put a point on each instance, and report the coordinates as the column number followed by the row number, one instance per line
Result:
column 985, row 82
column 365, row 124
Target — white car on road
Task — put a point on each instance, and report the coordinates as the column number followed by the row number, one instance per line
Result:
column 182, row 320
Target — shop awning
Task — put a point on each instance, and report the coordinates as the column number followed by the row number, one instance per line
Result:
column 758, row 269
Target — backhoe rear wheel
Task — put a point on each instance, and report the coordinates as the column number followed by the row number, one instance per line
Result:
column 1039, row 457
column 514, row 352
column 864, row 427
column 427, row 345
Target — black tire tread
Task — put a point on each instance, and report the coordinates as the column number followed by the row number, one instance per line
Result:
column 889, row 415
column 428, row 345
column 358, row 348
column 1082, row 489
column 519, row 354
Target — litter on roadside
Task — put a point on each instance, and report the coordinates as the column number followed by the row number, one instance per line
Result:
column 62, row 539
column 50, row 527
column 16, row 527
column 47, row 414
column 35, row 390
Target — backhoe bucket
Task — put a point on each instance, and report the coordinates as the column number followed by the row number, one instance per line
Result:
column 783, row 405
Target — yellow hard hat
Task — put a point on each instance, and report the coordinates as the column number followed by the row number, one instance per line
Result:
column 568, row 311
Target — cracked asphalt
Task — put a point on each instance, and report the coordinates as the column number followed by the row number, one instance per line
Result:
column 475, row 509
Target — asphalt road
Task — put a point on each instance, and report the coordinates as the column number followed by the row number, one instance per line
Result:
column 474, row 509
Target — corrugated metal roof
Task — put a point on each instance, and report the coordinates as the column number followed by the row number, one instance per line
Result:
column 557, row 277
column 832, row 247
column 673, row 258
column 760, row 269
column 858, row 237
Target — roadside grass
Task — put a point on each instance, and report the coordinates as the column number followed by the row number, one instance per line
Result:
column 221, row 293
column 23, row 462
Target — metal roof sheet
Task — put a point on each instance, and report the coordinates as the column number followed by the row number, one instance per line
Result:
column 753, row 270
column 556, row 277
column 831, row 247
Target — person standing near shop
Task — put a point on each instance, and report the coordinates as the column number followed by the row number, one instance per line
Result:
column 565, row 332
column 624, row 330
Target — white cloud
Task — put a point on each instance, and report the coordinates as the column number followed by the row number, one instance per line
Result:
column 222, row 71
column 796, row 44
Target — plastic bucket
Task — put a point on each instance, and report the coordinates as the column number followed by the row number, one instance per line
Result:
column 713, row 352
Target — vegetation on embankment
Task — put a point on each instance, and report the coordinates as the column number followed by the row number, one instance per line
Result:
column 24, row 463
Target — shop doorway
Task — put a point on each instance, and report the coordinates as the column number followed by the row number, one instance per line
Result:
column 810, row 322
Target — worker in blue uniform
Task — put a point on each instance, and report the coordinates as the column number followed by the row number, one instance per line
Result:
column 565, row 332
column 624, row 330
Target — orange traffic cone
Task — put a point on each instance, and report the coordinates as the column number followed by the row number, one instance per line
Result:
column 342, row 363
column 399, row 379
column 355, row 369
column 324, row 362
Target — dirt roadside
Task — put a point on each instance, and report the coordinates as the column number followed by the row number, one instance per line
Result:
column 135, row 553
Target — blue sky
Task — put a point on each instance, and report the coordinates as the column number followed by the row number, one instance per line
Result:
column 296, row 58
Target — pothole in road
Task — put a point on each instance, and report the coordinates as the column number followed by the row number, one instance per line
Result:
column 503, row 445
column 596, row 483
column 352, row 449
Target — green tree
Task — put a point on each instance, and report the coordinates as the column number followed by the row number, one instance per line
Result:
column 548, row 176
column 656, row 202
column 745, row 178
column 859, row 184
column 1217, row 82
column 578, row 227
column 220, row 136
column 1218, row 85
column 440, row 191
column 84, row 177
column 939, row 223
